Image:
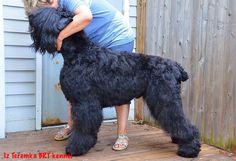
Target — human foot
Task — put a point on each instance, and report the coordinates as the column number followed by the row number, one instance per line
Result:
column 63, row 134
column 121, row 142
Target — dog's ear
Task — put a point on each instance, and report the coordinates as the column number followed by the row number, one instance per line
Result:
column 63, row 23
column 45, row 26
column 43, row 29
column 66, row 18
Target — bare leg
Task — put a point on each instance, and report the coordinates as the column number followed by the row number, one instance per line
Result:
column 122, row 113
column 69, row 109
column 65, row 132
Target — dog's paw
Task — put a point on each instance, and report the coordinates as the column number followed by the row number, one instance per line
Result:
column 69, row 150
column 190, row 150
column 72, row 150
column 175, row 140
column 187, row 152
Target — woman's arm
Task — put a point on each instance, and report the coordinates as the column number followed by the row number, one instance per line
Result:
column 82, row 18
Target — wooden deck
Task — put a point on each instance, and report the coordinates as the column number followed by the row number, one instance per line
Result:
column 146, row 144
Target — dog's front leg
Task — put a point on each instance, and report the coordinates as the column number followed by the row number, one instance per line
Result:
column 87, row 118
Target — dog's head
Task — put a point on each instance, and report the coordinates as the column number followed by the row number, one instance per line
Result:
column 45, row 26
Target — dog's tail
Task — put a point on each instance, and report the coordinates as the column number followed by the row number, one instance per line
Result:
column 181, row 75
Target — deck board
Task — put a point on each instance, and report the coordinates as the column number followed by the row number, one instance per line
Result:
column 146, row 144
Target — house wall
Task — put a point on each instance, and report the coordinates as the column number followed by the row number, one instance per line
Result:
column 2, row 77
column 132, row 20
column 133, row 17
column 20, row 66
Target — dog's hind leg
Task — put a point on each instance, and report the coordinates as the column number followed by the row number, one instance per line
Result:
column 164, row 101
column 87, row 119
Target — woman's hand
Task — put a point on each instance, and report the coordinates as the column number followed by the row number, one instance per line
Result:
column 83, row 16
column 59, row 43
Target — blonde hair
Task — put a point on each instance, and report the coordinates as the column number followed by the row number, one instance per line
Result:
column 33, row 4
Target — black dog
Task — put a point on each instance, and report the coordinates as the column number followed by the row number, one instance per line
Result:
column 94, row 77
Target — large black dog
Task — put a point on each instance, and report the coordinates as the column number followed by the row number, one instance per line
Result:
column 94, row 77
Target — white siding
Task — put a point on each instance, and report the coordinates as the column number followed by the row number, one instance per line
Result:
column 20, row 66
column 133, row 17
column 132, row 21
column 2, row 78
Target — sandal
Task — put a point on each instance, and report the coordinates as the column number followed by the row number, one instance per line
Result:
column 63, row 134
column 121, row 143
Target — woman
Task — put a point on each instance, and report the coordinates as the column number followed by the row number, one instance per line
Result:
column 105, row 26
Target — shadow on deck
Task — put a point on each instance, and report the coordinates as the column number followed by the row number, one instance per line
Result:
column 146, row 143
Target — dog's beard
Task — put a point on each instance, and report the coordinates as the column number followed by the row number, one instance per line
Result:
column 45, row 26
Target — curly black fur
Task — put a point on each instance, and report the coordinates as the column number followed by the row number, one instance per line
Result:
column 94, row 77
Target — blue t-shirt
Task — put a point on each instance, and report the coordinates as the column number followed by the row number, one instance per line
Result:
column 108, row 27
